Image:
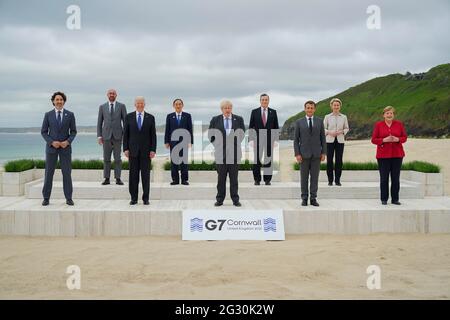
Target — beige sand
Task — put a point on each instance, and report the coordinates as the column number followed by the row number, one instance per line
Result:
column 316, row 266
column 304, row 267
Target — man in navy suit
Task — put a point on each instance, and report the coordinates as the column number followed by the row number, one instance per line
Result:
column 263, row 133
column 59, row 131
column 139, row 145
column 178, row 141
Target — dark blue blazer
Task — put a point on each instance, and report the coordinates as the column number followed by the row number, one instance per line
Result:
column 51, row 131
column 172, row 125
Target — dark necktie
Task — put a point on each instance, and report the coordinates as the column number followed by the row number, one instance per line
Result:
column 139, row 121
column 310, row 125
column 178, row 119
column 112, row 109
column 59, row 119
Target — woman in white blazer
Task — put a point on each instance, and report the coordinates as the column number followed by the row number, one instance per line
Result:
column 336, row 127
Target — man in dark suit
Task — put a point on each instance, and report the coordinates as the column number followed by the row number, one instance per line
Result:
column 310, row 147
column 226, row 132
column 59, row 131
column 139, row 145
column 179, row 138
column 111, row 115
column 263, row 132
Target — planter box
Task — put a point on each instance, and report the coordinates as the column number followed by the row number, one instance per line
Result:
column 13, row 183
column 347, row 176
column 85, row 175
column 196, row 176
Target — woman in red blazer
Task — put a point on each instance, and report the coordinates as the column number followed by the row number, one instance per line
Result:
column 389, row 136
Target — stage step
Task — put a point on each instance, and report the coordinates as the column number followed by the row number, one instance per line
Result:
column 207, row 191
column 21, row 216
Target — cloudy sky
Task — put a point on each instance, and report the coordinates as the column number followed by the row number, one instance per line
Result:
column 204, row 51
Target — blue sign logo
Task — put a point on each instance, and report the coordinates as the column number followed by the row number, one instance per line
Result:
column 196, row 225
column 270, row 224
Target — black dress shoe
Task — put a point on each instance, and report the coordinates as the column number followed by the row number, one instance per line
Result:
column 46, row 202
column 119, row 182
column 338, row 184
column 268, row 183
column 257, row 183
column 237, row 204
column 218, row 204
column 314, row 203
column 174, row 183
column 69, row 202
column 185, row 183
column 330, row 183
column 105, row 182
column 146, row 202
column 304, row 203
column 133, row 202
column 384, row 202
column 396, row 202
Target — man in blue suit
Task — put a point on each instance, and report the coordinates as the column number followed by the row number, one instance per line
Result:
column 59, row 131
column 178, row 141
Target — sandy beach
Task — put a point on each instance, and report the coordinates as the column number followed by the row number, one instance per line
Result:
column 413, row 266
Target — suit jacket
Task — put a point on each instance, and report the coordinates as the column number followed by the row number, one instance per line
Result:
column 111, row 127
column 139, row 141
column 51, row 131
column 227, row 146
column 172, row 125
column 389, row 149
column 307, row 144
column 256, row 124
column 333, row 123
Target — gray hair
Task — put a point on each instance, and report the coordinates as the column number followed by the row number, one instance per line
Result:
column 224, row 103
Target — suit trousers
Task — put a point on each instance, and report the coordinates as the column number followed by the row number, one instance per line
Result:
column 112, row 146
column 392, row 167
column 51, row 160
column 176, row 169
column 222, row 171
column 334, row 149
column 139, row 164
column 262, row 159
column 309, row 169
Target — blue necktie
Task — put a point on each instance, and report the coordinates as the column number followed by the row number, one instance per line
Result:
column 227, row 125
column 178, row 119
column 139, row 121
column 59, row 119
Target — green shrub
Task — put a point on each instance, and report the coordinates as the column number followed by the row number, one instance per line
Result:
column 211, row 166
column 19, row 165
column 27, row 164
column 420, row 166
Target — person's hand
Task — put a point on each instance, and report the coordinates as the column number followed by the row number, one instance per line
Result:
column 299, row 158
column 395, row 139
column 64, row 144
column 322, row 157
column 339, row 132
column 388, row 139
column 100, row 140
column 189, row 145
column 56, row 144
column 167, row 146
column 127, row 153
column 152, row 154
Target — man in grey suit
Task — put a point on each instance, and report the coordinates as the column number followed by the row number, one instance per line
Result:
column 111, row 117
column 310, row 149
column 59, row 131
